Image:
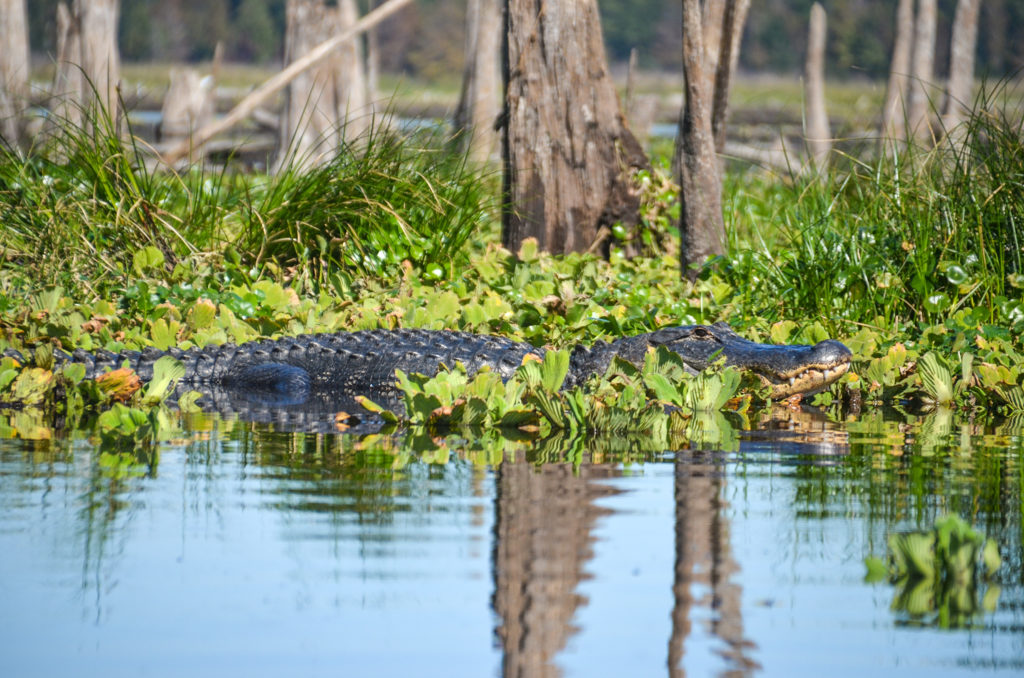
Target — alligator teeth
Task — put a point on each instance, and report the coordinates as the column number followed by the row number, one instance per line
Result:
column 828, row 374
column 792, row 380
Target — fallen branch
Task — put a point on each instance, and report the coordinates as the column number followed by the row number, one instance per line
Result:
column 247, row 105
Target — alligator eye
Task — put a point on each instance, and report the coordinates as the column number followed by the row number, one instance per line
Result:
column 701, row 332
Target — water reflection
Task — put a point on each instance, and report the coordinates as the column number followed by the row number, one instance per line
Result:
column 705, row 571
column 394, row 553
column 542, row 540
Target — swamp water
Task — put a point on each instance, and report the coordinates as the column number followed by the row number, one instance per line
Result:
column 231, row 549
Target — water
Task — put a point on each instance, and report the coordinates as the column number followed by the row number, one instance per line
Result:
column 231, row 549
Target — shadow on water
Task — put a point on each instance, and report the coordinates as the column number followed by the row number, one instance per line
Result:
column 832, row 491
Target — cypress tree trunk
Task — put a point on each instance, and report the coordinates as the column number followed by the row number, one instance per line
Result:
column 923, row 69
column 734, row 16
column 13, row 69
column 817, row 135
column 567, row 150
column 479, row 102
column 695, row 163
column 959, row 89
column 324, row 104
column 894, row 110
column 88, row 66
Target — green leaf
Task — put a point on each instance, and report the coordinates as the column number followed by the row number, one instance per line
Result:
column 664, row 390
column 990, row 557
column 202, row 314
column 554, row 369
column 187, row 401
column 914, row 553
column 876, row 569
column 386, row 414
column 6, row 377
column 147, row 259
column 166, row 373
column 165, row 334
column 936, row 303
column 781, row 331
column 935, row 378
column 32, row 385
column 956, row 274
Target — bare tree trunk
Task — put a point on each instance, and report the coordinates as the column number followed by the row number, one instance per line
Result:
column 817, row 135
column 323, row 104
column 894, row 111
column 959, row 89
column 695, row 162
column 373, row 64
column 354, row 80
column 923, row 70
column 480, row 99
column 13, row 69
column 733, row 18
column 188, row 105
column 568, row 152
column 88, row 66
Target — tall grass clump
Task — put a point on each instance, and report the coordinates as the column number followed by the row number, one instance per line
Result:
column 910, row 235
column 385, row 198
column 77, row 206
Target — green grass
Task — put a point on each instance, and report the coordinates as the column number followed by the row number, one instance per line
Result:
column 912, row 235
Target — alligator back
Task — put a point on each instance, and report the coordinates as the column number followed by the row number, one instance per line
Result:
column 290, row 369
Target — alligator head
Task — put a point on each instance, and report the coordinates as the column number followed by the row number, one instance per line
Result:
column 787, row 370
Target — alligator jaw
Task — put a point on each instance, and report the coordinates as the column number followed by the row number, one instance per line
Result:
column 806, row 382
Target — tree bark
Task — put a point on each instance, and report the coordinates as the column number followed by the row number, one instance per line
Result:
column 14, row 67
column 817, row 135
column 567, row 150
column 894, row 111
column 923, row 70
column 695, row 162
column 734, row 17
column 323, row 105
column 88, row 66
column 959, row 89
column 478, row 107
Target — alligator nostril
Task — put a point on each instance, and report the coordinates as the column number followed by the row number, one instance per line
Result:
column 831, row 350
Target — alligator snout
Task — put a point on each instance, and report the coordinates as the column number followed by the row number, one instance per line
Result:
column 831, row 352
column 820, row 365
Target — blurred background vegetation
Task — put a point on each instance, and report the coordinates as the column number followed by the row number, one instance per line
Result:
column 425, row 40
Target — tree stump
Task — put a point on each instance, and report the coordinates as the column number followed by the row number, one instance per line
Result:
column 325, row 106
column 567, row 150
column 88, row 65
column 187, row 107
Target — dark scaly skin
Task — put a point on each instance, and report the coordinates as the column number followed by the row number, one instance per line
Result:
column 298, row 374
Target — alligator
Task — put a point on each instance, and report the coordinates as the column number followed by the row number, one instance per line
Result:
column 328, row 371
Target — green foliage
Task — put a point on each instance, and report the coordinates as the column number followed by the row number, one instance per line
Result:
column 383, row 200
column 938, row 573
column 657, row 400
column 907, row 236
